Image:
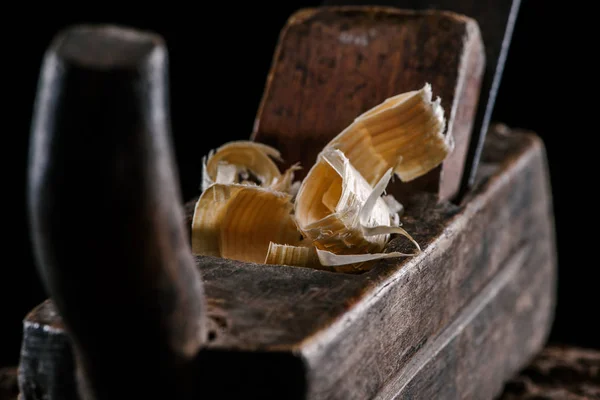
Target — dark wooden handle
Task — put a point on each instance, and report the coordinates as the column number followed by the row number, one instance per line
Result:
column 106, row 216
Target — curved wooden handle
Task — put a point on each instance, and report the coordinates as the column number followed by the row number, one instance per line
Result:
column 106, row 216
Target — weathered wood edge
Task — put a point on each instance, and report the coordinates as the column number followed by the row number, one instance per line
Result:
column 462, row 114
column 492, row 338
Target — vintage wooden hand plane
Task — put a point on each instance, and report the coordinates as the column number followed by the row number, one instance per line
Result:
column 134, row 315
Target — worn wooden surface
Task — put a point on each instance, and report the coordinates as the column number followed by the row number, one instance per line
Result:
column 458, row 320
column 500, row 319
column 114, row 233
column 496, row 19
column 332, row 64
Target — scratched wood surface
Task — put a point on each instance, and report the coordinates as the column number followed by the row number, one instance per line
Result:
column 460, row 319
column 332, row 64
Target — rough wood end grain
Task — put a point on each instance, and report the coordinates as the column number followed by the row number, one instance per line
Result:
column 334, row 63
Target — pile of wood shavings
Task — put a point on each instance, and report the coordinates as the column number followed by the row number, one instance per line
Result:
column 337, row 218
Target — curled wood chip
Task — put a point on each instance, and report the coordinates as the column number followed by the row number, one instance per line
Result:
column 239, row 222
column 338, row 217
column 247, row 163
column 343, row 215
column 285, row 182
column 335, row 202
column 331, row 259
column 404, row 133
column 299, row 256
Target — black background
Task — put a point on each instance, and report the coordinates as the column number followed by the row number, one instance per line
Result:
column 220, row 54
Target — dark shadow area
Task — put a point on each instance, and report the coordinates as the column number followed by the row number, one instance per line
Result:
column 252, row 375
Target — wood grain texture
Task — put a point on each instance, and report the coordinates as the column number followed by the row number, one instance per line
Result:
column 418, row 301
column 505, row 317
column 45, row 344
column 454, row 313
column 496, row 19
column 332, row 64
